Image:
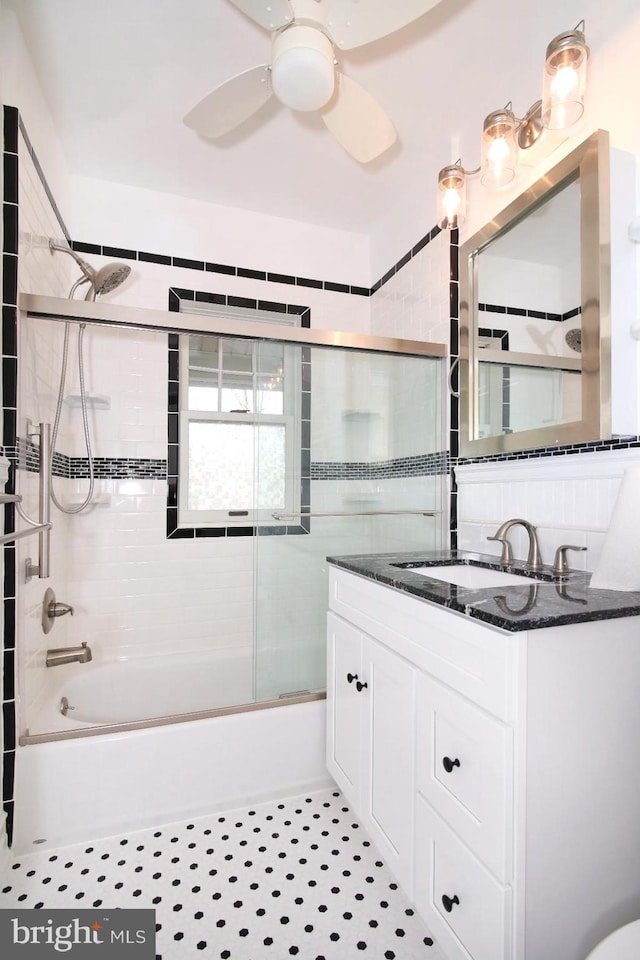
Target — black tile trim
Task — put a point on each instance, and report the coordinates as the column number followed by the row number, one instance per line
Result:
column 11, row 146
column 537, row 453
column 174, row 532
column 252, row 273
column 525, row 312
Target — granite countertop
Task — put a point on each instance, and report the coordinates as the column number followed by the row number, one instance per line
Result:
column 550, row 603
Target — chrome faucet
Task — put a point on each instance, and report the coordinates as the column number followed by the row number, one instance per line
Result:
column 534, row 560
column 60, row 655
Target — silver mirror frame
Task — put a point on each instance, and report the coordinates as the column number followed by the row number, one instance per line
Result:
column 590, row 161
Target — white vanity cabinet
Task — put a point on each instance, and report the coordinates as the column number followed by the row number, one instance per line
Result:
column 497, row 772
column 372, row 737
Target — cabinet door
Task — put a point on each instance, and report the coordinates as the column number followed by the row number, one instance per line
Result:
column 389, row 779
column 344, row 707
column 463, row 904
column 465, row 770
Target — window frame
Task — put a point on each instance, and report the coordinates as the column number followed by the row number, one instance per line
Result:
column 289, row 419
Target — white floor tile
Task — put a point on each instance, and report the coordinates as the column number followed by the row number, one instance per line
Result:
column 289, row 878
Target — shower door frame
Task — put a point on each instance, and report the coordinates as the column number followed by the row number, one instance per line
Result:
column 165, row 321
column 161, row 321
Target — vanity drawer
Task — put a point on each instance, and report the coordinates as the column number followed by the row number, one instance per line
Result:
column 465, row 771
column 477, row 660
column 463, row 905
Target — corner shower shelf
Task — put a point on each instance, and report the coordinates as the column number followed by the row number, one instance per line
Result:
column 95, row 401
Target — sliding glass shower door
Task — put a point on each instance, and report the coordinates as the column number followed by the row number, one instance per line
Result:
column 363, row 461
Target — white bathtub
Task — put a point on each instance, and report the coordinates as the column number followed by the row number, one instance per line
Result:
column 144, row 688
column 87, row 787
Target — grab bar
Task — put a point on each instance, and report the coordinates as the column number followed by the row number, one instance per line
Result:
column 42, row 568
column 360, row 513
column 42, row 526
column 18, row 534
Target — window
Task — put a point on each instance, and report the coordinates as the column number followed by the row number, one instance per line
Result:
column 239, row 451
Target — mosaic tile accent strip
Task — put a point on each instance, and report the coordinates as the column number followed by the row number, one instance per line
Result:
column 296, row 877
column 27, row 455
column 424, row 465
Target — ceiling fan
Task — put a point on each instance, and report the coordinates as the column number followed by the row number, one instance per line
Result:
column 303, row 72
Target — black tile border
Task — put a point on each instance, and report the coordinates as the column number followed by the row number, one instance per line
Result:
column 252, row 272
column 454, row 379
column 174, row 532
column 561, row 450
column 11, row 128
column 526, row 312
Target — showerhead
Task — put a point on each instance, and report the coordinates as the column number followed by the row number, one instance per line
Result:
column 109, row 277
column 102, row 281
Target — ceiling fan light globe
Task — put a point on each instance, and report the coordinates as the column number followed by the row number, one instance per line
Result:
column 303, row 71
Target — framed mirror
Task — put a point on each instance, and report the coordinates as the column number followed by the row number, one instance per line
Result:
column 535, row 342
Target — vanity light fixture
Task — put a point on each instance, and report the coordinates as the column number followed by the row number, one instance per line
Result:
column 452, row 195
column 504, row 134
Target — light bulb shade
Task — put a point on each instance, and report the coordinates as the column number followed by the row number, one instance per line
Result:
column 499, row 155
column 452, row 197
column 303, row 71
column 565, row 80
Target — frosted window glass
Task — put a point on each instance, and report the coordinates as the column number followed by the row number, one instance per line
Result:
column 221, row 466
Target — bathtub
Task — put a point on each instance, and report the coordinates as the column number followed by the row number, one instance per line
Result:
column 145, row 688
column 84, row 787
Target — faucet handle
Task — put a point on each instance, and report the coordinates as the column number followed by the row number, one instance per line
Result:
column 560, row 565
column 57, row 609
column 506, row 557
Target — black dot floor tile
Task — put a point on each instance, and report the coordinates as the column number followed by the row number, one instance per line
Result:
column 288, row 878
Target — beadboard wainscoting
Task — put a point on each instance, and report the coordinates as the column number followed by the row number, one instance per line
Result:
column 569, row 499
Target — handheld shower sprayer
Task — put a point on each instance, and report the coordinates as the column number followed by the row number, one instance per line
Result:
column 101, row 281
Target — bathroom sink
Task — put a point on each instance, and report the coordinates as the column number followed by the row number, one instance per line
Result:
column 473, row 577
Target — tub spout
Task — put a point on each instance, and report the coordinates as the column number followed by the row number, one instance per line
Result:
column 60, row 655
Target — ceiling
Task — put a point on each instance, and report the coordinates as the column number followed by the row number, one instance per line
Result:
column 120, row 76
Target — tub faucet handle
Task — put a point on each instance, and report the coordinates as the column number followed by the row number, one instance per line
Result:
column 57, row 609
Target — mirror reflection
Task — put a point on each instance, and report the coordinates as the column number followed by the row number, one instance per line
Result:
column 535, row 314
column 528, row 283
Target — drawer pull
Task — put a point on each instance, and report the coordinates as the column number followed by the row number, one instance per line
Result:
column 448, row 902
column 449, row 764
column 361, row 686
column 351, row 677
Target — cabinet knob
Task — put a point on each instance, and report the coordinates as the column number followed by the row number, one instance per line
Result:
column 448, row 902
column 351, row 677
column 449, row 764
column 360, row 686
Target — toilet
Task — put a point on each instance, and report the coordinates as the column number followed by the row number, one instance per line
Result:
column 622, row 944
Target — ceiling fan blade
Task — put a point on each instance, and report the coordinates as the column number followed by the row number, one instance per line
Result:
column 358, row 122
column 234, row 101
column 353, row 23
column 270, row 14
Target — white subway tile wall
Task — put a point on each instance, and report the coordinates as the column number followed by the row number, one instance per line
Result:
column 39, row 271
column 414, row 303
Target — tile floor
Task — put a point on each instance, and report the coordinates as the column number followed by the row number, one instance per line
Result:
column 296, row 877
